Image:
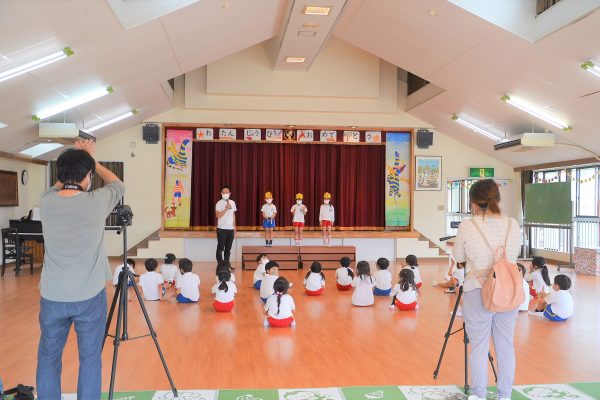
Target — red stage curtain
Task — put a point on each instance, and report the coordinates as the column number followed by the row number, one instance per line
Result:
column 353, row 174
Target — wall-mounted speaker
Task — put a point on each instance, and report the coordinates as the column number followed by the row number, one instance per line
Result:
column 424, row 138
column 151, row 133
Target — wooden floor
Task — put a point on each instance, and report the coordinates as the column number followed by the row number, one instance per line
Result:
column 334, row 343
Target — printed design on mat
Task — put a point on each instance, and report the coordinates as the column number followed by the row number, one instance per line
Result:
column 372, row 393
column 249, row 394
column 186, row 395
column 432, row 393
column 310, row 394
column 554, row 392
column 248, row 397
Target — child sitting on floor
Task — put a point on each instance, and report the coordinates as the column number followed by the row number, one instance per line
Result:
column 151, row 282
column 169, row 270
column 344, row 275
column 363, row 285
column 224, row 292
column 314, row 281
column 224, row 265
column 539, row 277
column 271, row 275
column 456, row 280
column 187, row 287
column 259, row 272
column 413, row 264
column 383, row 278
column 404, row 295
column 280, row 307
column 525, row 305
column 559, row 303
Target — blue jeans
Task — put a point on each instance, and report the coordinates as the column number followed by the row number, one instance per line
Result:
column 89, row 317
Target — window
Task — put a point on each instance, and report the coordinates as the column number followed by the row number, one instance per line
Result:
column 587, row 192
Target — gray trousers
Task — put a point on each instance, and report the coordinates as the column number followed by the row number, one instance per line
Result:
column 480, row 325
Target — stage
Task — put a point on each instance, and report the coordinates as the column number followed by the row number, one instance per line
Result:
column 200, row 246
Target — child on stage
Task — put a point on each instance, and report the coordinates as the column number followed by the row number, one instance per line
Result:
column 268, row 211
column 298, row 210
column 326, row 218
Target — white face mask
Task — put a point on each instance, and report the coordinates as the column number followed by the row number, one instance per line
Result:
column 326, row 201
column 225, row 196
column 298, row 202
column 269, row 201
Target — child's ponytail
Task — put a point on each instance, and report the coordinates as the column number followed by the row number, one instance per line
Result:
column 546, row 275
column 279, row 294
column 350, row 272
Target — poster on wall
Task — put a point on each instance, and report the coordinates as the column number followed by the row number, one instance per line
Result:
column 251, row 134
column 428, row 173
column 227, row 134
column 351, row 136
column 178, row 178
column 397, row 177
column 328, row 136
column 373, row 136
column 274, row 135
column 305, row 135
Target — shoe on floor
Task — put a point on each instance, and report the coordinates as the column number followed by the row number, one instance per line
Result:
column 266, row 323
column 536, row 313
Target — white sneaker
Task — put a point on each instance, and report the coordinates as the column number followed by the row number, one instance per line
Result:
column 293, row 324
column 536, row 313
column 266, row 323
column 435, row 283
column 417, row 307
column 391, row 307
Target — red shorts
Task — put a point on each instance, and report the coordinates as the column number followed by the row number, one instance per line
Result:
column 314, row 292
column 419, row 285
column 343, row 288
column 326, row 223
column 532, row 292
column 280, row 323
column 406, row 307
column 223, row 307
column 298, row 224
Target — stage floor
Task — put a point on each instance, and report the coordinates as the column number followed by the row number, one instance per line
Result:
column 333, row 345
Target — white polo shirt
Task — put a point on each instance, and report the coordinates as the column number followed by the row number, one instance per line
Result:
column 224, row 296
column 118, row 271
column 407, row 297
column 383, row 279
column 269, row 210
column 314, row 282
column 266, row 286
column 189, row 286
column 226, row 221
column 298, row 214
column 326, row 213
column 538, row 282
column 416, row 272
column 363, row 291
column 259, row 273
column 561, row 303
column 286, row 307
column 149, row 282
column 342, row 277
column 168, row 272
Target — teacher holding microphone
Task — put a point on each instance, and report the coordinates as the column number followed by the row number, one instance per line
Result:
column 475, row 244
column 225, row 212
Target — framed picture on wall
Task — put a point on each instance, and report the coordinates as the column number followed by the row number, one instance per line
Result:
column 9, row 189
column 428, row 173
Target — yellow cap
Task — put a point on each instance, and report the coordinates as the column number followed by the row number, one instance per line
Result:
column 299, row 196
column 268, row 195
column 327, row 195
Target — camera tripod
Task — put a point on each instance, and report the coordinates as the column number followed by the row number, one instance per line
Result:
column 465, row 341
column 120, row 298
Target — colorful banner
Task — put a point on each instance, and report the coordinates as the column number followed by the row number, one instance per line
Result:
column 397, row 176
column 178, row 178
column 252, row 134
column 204, row 134
column 305, row 135
column 328, row 136
column 274, row 135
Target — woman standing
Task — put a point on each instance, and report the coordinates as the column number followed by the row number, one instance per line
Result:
column 488, row 223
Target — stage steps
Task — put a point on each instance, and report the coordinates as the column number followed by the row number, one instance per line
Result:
column 294, row 257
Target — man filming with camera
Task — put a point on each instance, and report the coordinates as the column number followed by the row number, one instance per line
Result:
column 75, row 270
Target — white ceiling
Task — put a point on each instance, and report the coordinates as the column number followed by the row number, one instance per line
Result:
column 474, row 61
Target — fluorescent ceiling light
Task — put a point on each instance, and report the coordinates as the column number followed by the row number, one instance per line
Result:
column 72, row 103
column 592, row 66
column 295, row 59
column 41, row 148
column 310, row 25
column 2, row 125
column 538, row 139
column 482, row 131
column 536, row 112
column 30, row 66
column 112, row 121
column 314, row 10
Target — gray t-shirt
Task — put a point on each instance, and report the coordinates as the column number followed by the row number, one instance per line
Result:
column 75, row 265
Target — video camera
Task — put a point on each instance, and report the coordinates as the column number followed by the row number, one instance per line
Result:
column 124, row 215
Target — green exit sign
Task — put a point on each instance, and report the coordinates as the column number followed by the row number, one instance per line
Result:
column 481, row 172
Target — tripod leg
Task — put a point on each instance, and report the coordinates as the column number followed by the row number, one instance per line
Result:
column 153, row 334
column 466, row 341
column 112, row 311
column 447, row 335
column 117, row 340
column 493, row 367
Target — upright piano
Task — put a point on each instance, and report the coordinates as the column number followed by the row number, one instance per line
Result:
column 28, row 230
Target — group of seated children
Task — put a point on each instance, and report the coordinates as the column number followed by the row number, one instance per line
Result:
column 554, row 301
